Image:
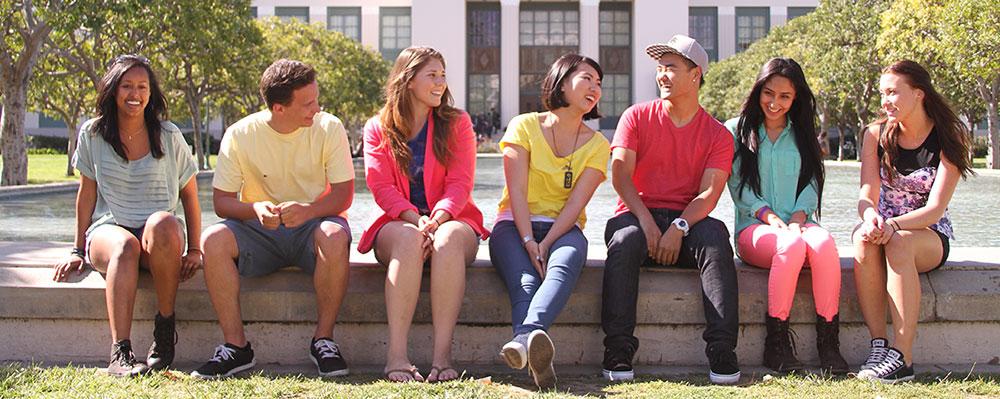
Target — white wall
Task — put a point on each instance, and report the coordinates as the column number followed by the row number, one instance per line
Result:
column 441, row 24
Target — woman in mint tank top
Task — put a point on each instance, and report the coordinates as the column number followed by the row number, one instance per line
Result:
column 911, row 161
column 134, row 169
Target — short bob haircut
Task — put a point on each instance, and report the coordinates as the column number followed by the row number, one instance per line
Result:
column 552, row 94
column 282, row 78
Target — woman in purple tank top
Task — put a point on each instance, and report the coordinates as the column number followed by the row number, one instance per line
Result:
column 911, row 161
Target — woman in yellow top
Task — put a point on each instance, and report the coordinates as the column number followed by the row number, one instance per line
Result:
column 552, row 164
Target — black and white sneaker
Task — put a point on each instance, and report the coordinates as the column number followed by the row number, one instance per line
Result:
column 325, row 354
column 724, row 368
column 229, row 359
column 875, row 356
column 541, row 351
column 617, row 364
column 893, row 369
column 515, row 352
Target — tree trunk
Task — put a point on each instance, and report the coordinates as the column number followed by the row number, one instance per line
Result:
column 15, row 154
column 195, row 109
column 70, row 147
column 992, row 121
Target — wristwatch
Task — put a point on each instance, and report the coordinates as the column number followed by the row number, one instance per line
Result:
column 681, row 225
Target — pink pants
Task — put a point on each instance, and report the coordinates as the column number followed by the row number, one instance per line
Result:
column 785, row 253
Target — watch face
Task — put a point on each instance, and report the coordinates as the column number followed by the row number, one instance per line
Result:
column 682, row 224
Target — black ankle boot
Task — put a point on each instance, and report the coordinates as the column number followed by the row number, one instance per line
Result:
column 161, row 352
column 779, row 347
column 828, row 345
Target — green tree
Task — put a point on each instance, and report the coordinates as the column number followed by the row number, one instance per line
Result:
column 23, row 26
column 970, row 42
column 204, row 43
column 66, row 94
column 913, row 29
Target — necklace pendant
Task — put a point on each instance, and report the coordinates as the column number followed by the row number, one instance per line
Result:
column 568, row 180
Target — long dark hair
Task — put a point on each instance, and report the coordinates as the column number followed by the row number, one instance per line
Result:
column 802, row 115
column 107, row 108
column 953, row 136
column 395, row 115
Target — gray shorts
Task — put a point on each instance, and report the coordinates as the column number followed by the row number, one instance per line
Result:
column 264, row 251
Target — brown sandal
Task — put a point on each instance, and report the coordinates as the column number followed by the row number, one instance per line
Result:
column 411, row 371
column 441, row 370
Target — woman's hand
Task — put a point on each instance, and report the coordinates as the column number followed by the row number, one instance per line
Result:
column 73, row 263
column 534, row 253
column 190, row 263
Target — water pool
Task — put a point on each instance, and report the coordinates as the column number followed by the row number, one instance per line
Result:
column 975, row 208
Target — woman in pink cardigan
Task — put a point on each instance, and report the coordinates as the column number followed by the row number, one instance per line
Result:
column 420, row 159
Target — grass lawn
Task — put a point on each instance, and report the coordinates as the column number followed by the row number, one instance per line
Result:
column 30, row 381
column 51, row 168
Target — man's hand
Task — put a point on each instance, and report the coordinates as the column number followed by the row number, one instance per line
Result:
column 669, row 247
column 294, row 214
column 268, row 214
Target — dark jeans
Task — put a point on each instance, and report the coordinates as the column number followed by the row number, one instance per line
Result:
column 706, row 247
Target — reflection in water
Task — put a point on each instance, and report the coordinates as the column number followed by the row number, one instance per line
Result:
column 50, row 217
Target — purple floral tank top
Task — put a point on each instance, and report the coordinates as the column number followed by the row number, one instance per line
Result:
column 916, row 170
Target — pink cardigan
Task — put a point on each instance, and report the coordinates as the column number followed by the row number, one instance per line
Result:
column 448, row 189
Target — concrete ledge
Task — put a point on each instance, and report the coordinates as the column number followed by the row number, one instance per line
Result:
column 7, row 192
column 959, row 313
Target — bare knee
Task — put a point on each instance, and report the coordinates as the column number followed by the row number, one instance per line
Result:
column 898, row 248
column 126, row 251
column 452, row 237
column 218, row 241
column 331, row 238
column 164, row 230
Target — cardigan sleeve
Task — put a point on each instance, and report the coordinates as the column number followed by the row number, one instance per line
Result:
column 461, row 169
column 380, row 171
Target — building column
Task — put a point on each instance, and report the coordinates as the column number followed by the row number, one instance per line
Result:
column 590, row 14
column 655, row 21
column 318, row 14
column 510, row 60
column 369, row 27
column 441, row 24
column 779, row 16
column 727, row 32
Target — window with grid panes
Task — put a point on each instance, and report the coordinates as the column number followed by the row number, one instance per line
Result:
column 752, row 23
column 703, row 26
column 287, row 13
column 394, row 31
column 614, row 35
column 795, row 12
column 548, row 30
column 484, row 67
column 253, row 12
column 346, row 20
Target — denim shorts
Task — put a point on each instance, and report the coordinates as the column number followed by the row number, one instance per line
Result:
column 263, row 251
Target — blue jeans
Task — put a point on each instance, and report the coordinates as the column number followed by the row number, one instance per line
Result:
column 535, row 302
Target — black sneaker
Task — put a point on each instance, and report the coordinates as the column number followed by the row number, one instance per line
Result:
column 161, row 352
column 325, row 354
column 123, row 362
column 875, row 355
column 229, row 359
column 724, row 368
column 617, row 365
column 541, row 351
column 515, row 352
column 893, row 369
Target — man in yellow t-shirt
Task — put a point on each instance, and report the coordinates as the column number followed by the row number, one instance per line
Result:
column 283, row 183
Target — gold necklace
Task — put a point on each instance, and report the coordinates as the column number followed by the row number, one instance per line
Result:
column 130, row 135
column 568, row 168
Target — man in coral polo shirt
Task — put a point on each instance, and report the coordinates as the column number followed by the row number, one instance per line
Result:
column 670, row 162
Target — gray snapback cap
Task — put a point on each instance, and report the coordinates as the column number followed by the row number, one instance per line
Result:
column 683, row 46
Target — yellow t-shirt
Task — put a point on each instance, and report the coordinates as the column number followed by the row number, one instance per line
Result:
column 546, row 173
column 264, row 165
